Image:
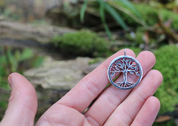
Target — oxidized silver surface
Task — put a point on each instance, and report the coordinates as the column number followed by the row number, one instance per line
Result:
column 124, row 65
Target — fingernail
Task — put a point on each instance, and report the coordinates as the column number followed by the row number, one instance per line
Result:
column 10, row 81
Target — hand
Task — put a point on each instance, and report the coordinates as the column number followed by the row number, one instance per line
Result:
column 113, row 107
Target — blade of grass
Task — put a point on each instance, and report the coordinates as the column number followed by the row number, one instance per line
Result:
column 102, row 14
column 116, row 16
column 130, row 6
column 113, row 80
column 126, row 11
column 82, row 11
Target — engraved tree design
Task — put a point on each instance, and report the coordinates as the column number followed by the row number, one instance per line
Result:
column 125, row 66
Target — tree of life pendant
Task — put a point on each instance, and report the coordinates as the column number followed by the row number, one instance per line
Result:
column 125, row 66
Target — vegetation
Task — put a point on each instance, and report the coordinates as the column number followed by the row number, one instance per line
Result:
column 82, row 43
column 14, row 60
column 119, row 17
column 154, row 31
column 166, row 63
column 137, row 17
column 154, row 12
column 112, row 8
column 147, row 12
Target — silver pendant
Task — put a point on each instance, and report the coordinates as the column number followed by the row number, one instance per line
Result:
column 124, row 66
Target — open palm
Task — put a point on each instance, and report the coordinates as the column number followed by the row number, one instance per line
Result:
column 113, row 107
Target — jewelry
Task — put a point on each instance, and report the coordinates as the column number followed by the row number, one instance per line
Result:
column 125, row 65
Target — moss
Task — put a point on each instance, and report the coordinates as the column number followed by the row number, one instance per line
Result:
column 138, row 39
column 167, row 64
column 167, row 93
column 150, row 16
column 136, row 50
column 139, row 36
column 82, row 43
column 166, row 15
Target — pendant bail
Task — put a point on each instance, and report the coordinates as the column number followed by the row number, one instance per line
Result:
column 124, row 52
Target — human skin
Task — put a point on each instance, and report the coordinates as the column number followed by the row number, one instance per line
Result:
column 113, row 107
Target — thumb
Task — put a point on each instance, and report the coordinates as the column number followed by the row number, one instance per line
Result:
column 22, row 105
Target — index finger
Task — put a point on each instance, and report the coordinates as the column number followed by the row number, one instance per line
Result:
column 90, row 86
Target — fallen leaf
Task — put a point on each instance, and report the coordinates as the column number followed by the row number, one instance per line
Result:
column 163, row 118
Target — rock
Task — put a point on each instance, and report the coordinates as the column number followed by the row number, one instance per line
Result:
column 62, row 75
column 22, row 31
column 90, row 68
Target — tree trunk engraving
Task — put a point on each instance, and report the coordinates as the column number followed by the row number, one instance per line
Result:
column 125, row 66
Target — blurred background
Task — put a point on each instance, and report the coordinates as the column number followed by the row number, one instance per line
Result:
column 55, row 43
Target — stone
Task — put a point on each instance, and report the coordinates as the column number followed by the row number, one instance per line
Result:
column 63, row 75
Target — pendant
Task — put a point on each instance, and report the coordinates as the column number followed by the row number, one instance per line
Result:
column 125, row 66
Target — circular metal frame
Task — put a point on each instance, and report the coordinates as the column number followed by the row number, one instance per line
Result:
column 124, row 58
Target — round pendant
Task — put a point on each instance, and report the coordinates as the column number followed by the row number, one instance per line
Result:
column 124, row 66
